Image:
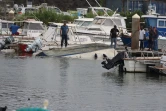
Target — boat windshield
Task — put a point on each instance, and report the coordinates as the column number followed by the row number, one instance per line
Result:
column 150, row 22
column 6, row 25
column 86, row 23
column 33, row 26
column 98, row 21
column 77, row 22
column 111, row 22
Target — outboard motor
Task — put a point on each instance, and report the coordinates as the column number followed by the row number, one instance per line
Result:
column 7, row 41
column 35, row 46
column 110, row 63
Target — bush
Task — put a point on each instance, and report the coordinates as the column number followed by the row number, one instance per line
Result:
column 129, row 17
column 46, row 16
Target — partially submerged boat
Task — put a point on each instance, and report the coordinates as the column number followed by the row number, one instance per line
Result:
column 79, row 46
column 93, row 51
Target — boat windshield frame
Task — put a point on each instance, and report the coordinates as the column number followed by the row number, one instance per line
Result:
column 32, row 26
column 98, row 21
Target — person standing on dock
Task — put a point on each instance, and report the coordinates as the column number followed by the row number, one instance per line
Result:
column 63, row 32
column 113, row 34
column 155, row 42
column 141, row 37
column 151, row 36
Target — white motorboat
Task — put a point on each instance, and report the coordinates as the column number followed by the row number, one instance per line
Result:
column 79, row 46
column 31, row 30
column 101, row 26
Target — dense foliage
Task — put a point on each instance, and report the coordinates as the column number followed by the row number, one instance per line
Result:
column 129, row 17
column 45, row 16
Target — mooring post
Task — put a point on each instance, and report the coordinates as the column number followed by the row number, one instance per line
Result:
column 135, row 32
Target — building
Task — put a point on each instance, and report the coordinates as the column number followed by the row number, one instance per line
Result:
column 132, row 5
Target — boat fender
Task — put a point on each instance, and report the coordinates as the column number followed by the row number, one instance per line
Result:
column 95, row 56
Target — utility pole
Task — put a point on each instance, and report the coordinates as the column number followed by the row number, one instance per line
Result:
column 5, row 9
column 127, row 5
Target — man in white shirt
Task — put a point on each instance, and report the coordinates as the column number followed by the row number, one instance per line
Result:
column 141, row 37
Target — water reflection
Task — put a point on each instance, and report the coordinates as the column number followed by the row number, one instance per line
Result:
column 115, row 76
column 72, row 85
column 63, row 89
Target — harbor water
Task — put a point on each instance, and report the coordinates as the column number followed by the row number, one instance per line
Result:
column 76, row 85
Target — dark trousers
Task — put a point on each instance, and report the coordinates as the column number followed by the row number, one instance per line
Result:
column 150, row 42
column 141, row 44
column 64, row 38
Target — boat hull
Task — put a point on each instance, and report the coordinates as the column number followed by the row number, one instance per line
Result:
column 87, row 51
column 127, row 41
column 133, row 66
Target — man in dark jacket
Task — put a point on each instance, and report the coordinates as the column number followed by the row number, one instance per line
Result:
column 113, row 34
column 155, row 41
column 151, row 37
column 63, row 32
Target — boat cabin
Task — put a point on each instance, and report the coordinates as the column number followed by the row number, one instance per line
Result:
column 156, row 21
column 5, row 27
column 106, row 23
column 32, row 28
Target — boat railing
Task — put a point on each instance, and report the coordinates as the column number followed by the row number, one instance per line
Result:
column 146, row 54
column 104, row 33
column 76, row 35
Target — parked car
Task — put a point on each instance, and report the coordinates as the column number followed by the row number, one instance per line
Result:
column 23, row 10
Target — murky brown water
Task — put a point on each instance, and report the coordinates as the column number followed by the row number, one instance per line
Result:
column 76, row 85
